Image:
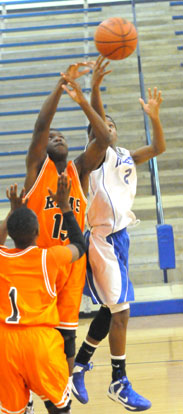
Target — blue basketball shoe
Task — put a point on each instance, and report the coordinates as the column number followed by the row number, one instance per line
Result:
column 121, row 391
column 78, row 385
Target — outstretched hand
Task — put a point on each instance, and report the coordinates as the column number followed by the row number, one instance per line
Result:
column 15, row 200
column 73, row 89
column 74, row 72
column 153, row 104
column 99, row 70
column 61, row 197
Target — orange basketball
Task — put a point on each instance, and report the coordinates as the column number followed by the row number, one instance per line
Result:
column 116, row 38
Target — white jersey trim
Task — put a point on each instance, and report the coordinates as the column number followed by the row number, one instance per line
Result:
column 4, row 410
column 21, row 253
column 45, row 274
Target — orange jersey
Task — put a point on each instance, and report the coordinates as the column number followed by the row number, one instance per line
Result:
column 27, row 284
column 50, row 217
column 50, row 220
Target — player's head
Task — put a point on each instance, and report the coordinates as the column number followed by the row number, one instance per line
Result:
column 111, row 126
column 57, row 147
column 23, row 227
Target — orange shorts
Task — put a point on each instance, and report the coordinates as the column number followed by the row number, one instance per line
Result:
column 69, row 295
column 32, row 358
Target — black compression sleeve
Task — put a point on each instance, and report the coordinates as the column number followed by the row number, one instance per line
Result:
column 74, row 232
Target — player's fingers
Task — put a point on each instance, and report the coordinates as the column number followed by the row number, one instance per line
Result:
column 8, row 193
column 12, row 190
column 149, row 93
column 22, row 193
column 66, row 89
column 155, row 93
column 142, row 102
column 100, row 60
column 159, row 97
column 107, row 72
column 105, row 64
column 69, row 184
column 51, row 193
column 90, row 63
column 84, row 71
column 84, row 63
column 63, row 179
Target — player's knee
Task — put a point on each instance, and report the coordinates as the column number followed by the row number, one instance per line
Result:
column 120, row 319
column 69, row 342
column 99, row 327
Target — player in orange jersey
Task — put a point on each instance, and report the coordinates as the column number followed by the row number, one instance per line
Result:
column 47, row 157
column 32, row 351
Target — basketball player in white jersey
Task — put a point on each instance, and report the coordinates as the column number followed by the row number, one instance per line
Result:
column 112, row 192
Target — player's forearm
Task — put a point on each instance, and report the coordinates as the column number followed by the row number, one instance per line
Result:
column 99, row 127
column 37, row 149
column 74, row 232
column 49, row 107
column 96, row 101
column 158, row 141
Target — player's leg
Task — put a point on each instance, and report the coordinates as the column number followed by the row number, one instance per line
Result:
column 120, row 389
column 46, row 368
column 69, row 300
column 68, row 303
column 98, row 330
column 14, row 394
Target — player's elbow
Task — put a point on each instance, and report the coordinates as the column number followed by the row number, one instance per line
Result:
column 160, row 149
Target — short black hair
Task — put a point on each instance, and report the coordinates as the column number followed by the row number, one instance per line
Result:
column 107, row 116
column 23, row 227
column 55, row 129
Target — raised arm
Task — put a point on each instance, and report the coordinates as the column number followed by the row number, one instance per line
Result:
column 99, row 71
column 94, row 154
column 15, row 202
column 158, row 141
column 37, row 150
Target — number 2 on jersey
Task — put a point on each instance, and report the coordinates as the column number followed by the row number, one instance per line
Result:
column 15, row 315
column 128, row 172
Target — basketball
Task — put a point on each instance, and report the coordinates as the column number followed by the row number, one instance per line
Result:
column 116, row 38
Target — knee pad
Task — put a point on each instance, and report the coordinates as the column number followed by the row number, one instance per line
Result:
column 99, row 327
column 69, row 341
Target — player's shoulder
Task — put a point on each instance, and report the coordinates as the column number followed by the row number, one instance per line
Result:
column 122, row 151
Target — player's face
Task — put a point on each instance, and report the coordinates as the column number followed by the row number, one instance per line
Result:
column 57, row 148
column 112, row 130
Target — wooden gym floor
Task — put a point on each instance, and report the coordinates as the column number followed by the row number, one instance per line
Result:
column 154, row 366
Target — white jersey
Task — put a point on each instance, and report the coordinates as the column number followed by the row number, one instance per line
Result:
column 111, row 194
